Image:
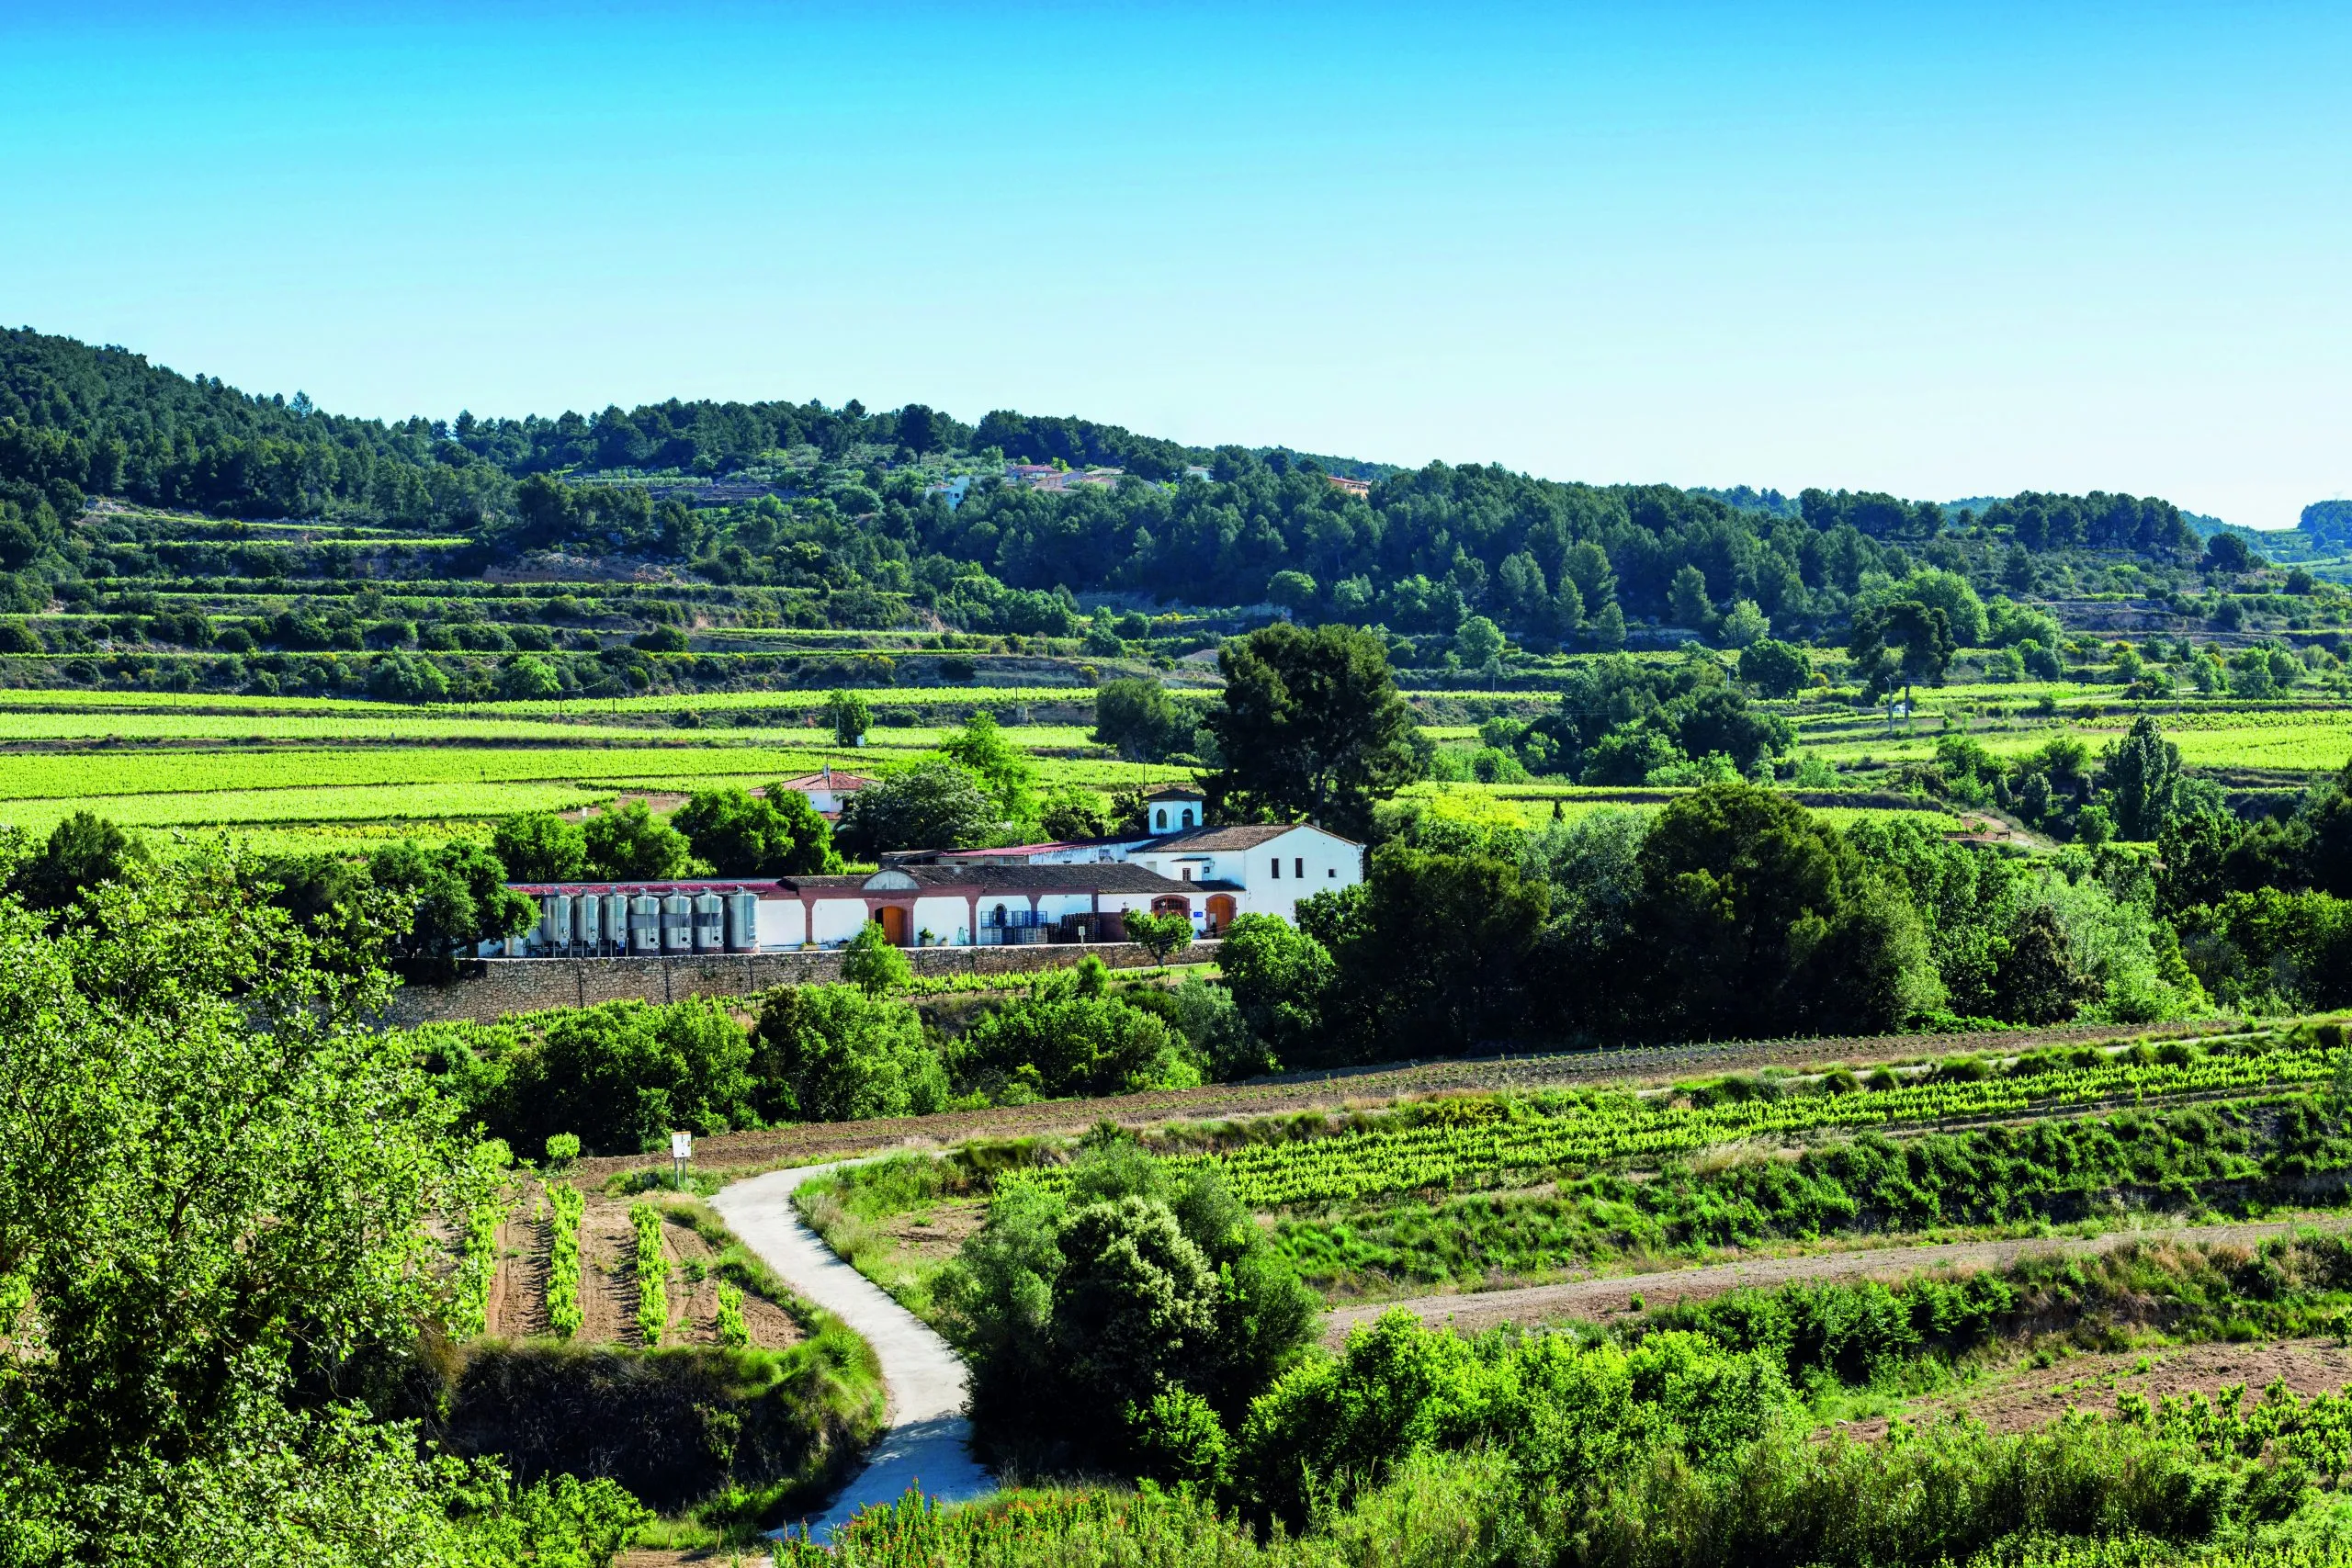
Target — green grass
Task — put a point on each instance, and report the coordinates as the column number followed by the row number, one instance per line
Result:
column 33, row 776
column 388, row 803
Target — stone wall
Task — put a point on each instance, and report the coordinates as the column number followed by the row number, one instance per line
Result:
column 503, row 985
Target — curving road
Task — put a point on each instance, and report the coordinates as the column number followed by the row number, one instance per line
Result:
column 928, row 1443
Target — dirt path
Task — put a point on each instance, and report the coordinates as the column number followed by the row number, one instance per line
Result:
column 1471, row 1311
column 929, row 1441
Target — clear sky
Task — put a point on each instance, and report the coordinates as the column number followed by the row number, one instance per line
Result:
column 1941, row 250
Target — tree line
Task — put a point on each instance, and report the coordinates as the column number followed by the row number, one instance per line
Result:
column 1425, row 550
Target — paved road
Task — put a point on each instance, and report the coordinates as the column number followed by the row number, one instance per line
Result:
column 1471, row 1311
column 928, row 1442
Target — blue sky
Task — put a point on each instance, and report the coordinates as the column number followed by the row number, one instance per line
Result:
column 1941, row 250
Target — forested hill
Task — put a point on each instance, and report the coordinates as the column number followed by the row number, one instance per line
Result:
column 919, row 506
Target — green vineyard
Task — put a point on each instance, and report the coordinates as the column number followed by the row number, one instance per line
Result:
column 1470, row 1142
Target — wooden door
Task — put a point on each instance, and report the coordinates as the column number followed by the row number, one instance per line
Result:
column 894, row 923
column 1220, row 910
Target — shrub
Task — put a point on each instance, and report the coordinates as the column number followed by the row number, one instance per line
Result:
column 619, row 1076
column 835, row 1053
column 1081, row 1310
column 873, row 963
column 1073, row 1039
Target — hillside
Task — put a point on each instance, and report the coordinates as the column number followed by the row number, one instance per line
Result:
column 848, row 517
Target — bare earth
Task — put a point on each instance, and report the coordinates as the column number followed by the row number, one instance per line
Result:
column 608, row 1283
column 1599, row 1298
column 2034, row 1397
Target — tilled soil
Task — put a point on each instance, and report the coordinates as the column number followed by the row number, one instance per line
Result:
column 1603, row 1297
column 2033, row 1396
column 518, row 1300
column 608, row 1292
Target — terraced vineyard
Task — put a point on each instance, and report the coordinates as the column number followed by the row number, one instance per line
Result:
column 1489, row 1143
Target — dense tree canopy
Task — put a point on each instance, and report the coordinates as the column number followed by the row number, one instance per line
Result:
column 1311, row 727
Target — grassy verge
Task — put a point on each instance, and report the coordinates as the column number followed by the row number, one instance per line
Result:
column 847, row 1209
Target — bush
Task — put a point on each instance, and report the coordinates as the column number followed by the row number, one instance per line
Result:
column 1081, row 1310
column 619, row 1077
column 1278, row 976
column 873, row 964
column 82, row 852
column 835, row 1054
column 1072, row 1040
column 675, row 1426
column 404, row 678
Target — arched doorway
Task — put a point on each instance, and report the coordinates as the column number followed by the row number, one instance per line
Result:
column 1169, row 904
column 1220, row 911
column 894, row 923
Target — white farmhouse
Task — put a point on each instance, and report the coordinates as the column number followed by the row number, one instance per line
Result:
column 1263, row 869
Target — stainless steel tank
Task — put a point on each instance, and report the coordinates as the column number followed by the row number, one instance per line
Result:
column 645, row 923
column 743, row 922
column 555, row 921
column 677, row 923
column 710, row 923
column 617, row 922
column 587, row 923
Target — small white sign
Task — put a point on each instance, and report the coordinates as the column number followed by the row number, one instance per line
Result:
column 682, row 1144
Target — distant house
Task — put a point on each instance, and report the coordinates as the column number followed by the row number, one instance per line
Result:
column 827, row 791
column 1353, row 487
column 1055, row 480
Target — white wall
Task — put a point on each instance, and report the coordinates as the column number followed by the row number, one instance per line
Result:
column 837, row 920
column 1054, row 906
column 947, row 919
column 1331, row 863
column 782, row 923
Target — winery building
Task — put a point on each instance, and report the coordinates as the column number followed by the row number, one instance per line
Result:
column 1064, row 892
